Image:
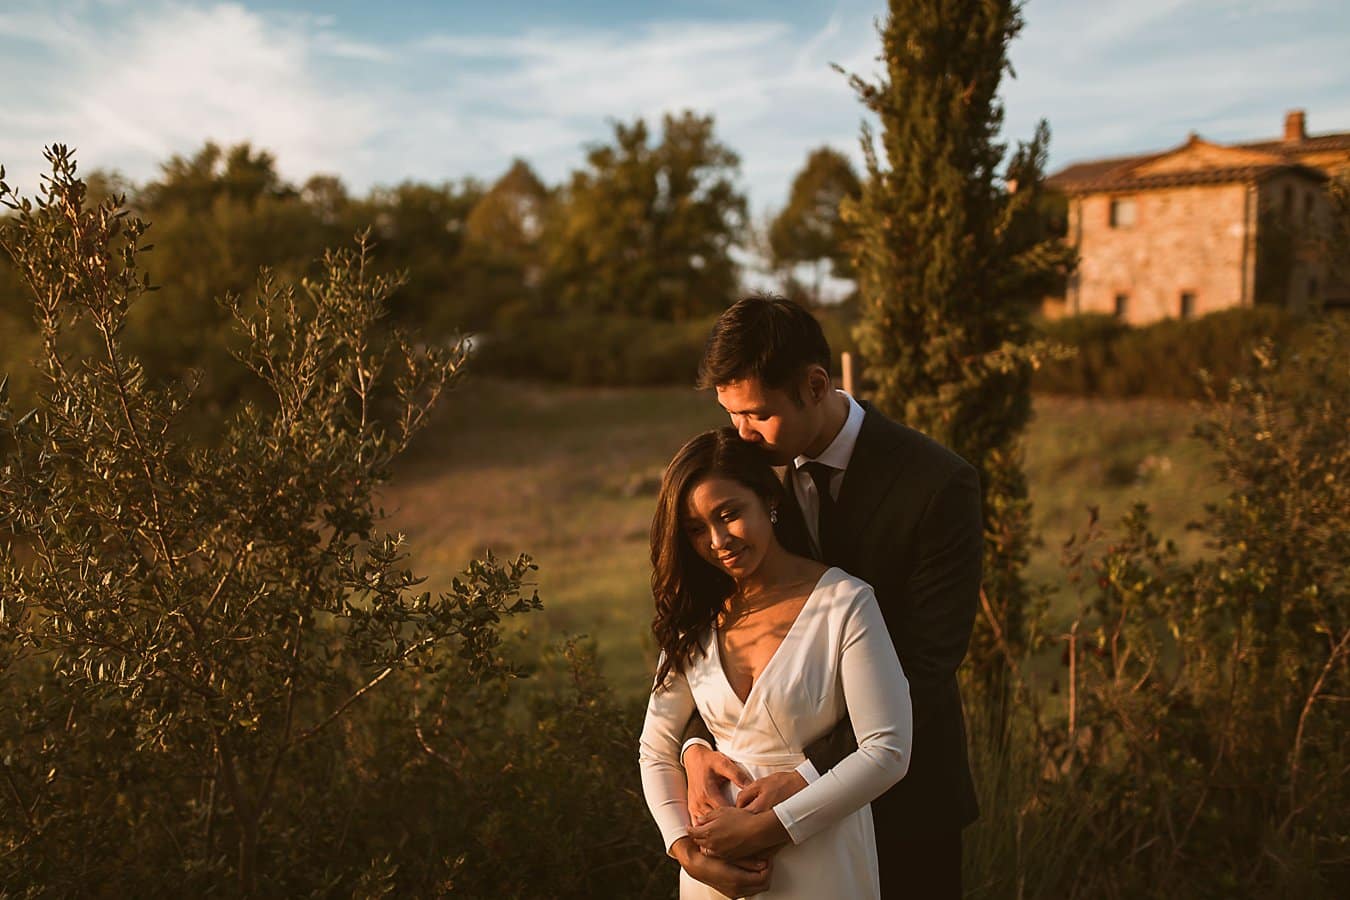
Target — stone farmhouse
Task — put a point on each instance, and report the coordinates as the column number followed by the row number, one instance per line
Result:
column 1203, row 227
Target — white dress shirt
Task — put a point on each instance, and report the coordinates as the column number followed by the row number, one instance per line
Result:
column 837, row 457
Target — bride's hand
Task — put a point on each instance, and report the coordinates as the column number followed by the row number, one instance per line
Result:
column 742, row 878
column 733, row 833
column 763, row 794
column 708, row 773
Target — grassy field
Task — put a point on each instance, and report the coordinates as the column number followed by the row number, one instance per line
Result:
column 569, row 476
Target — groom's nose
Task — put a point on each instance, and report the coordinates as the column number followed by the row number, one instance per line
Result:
column 745, row 431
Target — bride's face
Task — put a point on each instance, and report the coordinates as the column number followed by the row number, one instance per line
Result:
column 728, row 525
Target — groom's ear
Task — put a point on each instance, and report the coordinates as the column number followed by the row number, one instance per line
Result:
column 816, row 384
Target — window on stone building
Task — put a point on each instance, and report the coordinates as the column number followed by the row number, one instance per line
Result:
column 1288, row 202
column 1122, row 305
column 1187, row 304
column 1307, row 208
column 1312, row 289
column 1122, row 212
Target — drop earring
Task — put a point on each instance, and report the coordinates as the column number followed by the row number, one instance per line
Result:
column 773, row 516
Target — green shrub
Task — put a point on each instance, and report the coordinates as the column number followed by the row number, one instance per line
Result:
column 1199, row 749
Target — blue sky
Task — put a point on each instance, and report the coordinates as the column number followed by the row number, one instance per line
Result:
column 379, row 92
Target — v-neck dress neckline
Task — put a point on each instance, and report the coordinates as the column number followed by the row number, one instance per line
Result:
column 754, row 685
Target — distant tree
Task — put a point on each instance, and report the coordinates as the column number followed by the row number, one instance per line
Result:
column 196, row 182
column 220, row 216
column 327, row 196
column 511, row 214
column 419, row 229
column 810, row 230
column 950, row 263
column 502, row 249
column 647, row 230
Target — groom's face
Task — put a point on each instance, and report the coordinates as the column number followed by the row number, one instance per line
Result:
column 782, row 421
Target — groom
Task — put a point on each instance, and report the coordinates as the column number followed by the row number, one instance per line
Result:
column 896, row 509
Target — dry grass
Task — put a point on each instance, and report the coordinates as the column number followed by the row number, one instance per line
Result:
column 1110, row 454
column 569, row 475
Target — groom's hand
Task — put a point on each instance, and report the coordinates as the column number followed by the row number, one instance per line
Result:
column 742, row 878
column 763, row 794
column 733, row 833
column 708, row 772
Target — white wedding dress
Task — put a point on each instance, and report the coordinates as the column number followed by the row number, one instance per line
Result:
column 837, row 657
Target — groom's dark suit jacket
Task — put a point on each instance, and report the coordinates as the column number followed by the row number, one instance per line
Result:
column 907, row 521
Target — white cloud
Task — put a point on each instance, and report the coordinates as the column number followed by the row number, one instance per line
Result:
column 1136, row 77
column 129, row 83
column 134, row 87
column 341, row 47
column 770, row 91
column 155, row 81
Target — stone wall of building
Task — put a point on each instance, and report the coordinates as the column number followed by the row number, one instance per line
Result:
column 1297, row 211
column 1182, row 250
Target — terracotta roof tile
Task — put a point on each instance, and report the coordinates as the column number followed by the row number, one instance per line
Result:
column 1095, row 170
column 1123, row 181
column 1313, row 144
column 1114, row 173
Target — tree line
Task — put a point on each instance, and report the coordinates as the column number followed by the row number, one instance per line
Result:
column 643, row 230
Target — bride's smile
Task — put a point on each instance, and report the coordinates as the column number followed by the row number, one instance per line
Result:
column 729, row 526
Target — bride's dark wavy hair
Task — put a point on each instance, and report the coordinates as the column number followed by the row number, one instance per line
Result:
column 688, row 590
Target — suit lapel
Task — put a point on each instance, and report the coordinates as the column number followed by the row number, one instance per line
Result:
column 868, row 478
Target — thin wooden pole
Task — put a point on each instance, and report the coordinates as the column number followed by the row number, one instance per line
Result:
column 847, row 365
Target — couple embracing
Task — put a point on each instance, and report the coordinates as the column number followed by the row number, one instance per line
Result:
column 816, row 572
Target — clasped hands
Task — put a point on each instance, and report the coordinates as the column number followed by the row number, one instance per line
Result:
column 731, row 847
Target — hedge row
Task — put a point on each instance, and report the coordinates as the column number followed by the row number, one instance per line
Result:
column 615, row 350
column 1111, row 359
column 597, row 350
column 1161, row 360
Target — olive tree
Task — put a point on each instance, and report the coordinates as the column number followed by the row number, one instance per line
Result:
column 205, row 607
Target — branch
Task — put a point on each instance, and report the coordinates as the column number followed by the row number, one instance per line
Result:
column 992, row 617
column 230, row 570
column 342, row 707
column 115, row 365
column 432, row 751
column 18, row 797
column 265, row 795
column 1008, row 655
column 422, row 739
column 1336, row 653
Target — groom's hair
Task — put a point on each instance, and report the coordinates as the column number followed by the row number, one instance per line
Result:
column 765, row 337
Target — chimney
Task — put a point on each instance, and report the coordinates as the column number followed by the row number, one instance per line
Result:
column 1295, row 126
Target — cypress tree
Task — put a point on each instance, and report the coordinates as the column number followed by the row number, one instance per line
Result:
column 951, row 259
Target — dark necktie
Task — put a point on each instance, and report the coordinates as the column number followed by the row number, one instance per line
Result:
column 821, row 474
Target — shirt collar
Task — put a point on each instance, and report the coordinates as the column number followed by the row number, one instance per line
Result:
column 840, row 451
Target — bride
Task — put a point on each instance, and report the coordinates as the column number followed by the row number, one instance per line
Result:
column 772, row 649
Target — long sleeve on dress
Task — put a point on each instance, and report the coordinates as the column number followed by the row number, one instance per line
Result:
column 663, row 780
column 876, row 693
